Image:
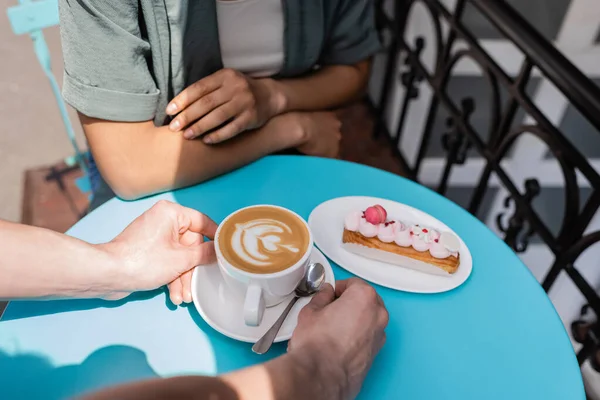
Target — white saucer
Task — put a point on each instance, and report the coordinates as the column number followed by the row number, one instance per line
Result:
column 223, row 312
column 327, row 225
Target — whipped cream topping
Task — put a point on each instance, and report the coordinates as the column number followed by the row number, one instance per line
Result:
column 352, row 221
column 367, row 229
column 257, row 240
column 386, row 233
column 421, row 238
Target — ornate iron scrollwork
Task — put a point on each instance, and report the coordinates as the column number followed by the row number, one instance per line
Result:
column 455, row 142
column 412, row 75
column 518, row 231
column 382, row 22
column 461, row 137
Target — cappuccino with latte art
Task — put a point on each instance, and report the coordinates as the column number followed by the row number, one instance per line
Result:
column 263, row 239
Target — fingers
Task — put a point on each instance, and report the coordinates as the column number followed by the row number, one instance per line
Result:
column 185, row 218
column 199, row 109
column 213, row 119
column 190, row 238
column 230, row 130
column 202, row 254
column 195, row 221
column 176, row 291
column 367, row 293
column 194, row 92
column 380, row 342
column 212, row 102
column 325, row 296
column 342, row 286
column 180, row 290
column 383, row 316
column 186, row 283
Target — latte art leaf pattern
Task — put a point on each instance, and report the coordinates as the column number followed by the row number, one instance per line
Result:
column 263, row 239
column 258, row 241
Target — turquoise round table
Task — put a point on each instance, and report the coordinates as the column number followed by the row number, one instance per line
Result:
column 495, row 337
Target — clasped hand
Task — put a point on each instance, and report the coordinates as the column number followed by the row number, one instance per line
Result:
column 225, row 104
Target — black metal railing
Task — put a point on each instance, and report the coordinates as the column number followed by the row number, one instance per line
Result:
column 463, row 139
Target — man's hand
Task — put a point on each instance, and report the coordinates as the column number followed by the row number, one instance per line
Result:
column 160, row 247
column 345, row 330
column 227, row 101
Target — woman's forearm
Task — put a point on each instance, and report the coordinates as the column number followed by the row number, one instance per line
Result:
column 39, row 263
column 139, row 159
column 330, row 87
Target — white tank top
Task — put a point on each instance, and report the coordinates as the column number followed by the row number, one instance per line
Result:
column 251, row 35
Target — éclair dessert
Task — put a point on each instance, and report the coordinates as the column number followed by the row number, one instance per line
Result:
column 371, row 234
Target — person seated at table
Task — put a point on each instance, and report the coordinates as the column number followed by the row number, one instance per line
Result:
column 338, row 334
column 148, row 78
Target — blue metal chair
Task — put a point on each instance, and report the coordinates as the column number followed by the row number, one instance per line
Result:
column 30, row 17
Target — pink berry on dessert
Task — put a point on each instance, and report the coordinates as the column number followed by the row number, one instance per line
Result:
column 429, row 235
column 375, row 214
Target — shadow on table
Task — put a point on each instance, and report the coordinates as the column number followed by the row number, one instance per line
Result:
column 27, row 309
column 31, row 376
column 219, row 197
column 232, row 354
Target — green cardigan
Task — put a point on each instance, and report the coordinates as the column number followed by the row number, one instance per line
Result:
column 125, row 59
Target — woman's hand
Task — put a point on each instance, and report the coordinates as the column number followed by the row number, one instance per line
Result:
column 312, row 133
column 322, row 134
column 227, row 103
column 162, row 246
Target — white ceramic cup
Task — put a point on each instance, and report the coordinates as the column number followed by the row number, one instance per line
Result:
column 260, row 291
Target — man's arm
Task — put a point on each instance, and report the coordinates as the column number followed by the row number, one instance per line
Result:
column 138, row 159
column 42, row 264
column 39, row 263
column 338, row 335
column 289, row 377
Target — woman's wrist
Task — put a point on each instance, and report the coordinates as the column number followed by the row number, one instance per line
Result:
column 278, row 101
column 287, row 131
